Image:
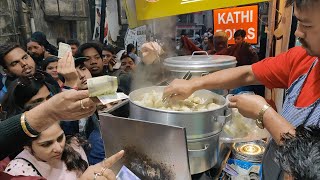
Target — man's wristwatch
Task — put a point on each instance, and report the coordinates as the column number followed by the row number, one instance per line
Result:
column 259, row 120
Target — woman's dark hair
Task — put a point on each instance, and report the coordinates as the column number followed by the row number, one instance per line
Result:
column 130, row 47
column 21, row 91
column 73, row 159
column 48, row 60
column 70, row 157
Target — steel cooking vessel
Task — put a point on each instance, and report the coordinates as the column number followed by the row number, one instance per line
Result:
column 203, row 128
column 198, row 124
column 198, row 65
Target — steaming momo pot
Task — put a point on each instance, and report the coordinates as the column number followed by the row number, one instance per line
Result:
column 198, row 65
column 203, row 128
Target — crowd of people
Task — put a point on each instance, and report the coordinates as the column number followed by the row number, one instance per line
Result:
column 65, row 145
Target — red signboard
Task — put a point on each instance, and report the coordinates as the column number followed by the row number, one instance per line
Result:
column 232, row 19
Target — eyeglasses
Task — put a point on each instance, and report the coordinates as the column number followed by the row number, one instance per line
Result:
column 26, row 87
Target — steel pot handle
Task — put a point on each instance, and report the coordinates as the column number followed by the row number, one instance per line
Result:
column 227, row 98
column 204, row 73
column 196, row 52
column 198, row 152
column 224, row 119
column 228, row 112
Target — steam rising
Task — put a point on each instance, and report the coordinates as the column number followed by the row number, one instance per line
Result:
column 162, row 31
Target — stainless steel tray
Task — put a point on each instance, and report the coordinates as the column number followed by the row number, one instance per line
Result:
column 150, row 148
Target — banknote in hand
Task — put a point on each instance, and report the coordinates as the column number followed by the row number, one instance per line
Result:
column 63, row 49
column 102, row 85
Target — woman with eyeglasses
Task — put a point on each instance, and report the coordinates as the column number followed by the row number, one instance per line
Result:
column 24, row 94
column 27, row 92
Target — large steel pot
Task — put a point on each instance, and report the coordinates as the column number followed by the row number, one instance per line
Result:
column 198, row 65
column 203, row 128
column 198, row 124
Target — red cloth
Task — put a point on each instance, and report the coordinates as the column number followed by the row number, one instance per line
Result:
column 243, row 53
column 188, row 45
column 3, row 163
column 281, row 71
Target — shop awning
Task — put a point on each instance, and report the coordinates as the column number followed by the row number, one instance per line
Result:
column 151, row 9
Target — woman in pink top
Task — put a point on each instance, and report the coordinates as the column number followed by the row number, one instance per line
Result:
column 49, row 156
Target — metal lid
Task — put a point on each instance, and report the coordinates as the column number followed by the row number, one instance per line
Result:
column 208, row 63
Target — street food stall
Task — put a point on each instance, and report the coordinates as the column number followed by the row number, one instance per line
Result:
column 209, row 143
column 210, row 129
column 207, row 121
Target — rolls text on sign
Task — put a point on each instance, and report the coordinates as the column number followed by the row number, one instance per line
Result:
column 232, row 19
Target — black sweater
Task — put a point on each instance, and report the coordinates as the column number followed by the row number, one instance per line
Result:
column 12, row 136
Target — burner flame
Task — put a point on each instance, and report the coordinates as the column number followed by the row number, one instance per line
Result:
column 250, row 149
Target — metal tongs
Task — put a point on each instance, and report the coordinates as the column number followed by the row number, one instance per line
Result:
column 187, row 76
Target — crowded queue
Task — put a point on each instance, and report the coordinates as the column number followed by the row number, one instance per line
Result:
column 64, row 149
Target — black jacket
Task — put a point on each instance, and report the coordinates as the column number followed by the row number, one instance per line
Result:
column 12, row 137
